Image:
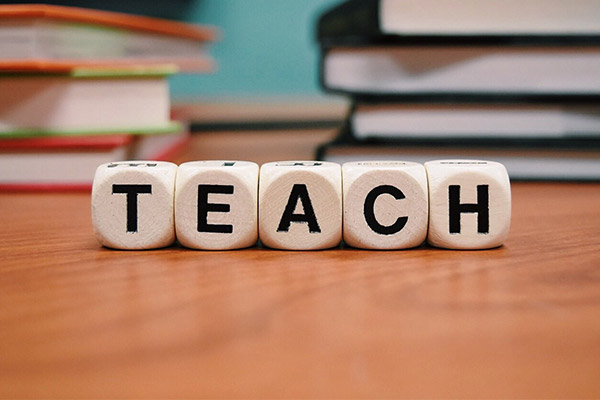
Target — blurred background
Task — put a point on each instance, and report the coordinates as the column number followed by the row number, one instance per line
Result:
column 266, row 48
column 261, row 101
column 504, row 80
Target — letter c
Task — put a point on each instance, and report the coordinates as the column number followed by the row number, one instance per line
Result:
column 369, row 210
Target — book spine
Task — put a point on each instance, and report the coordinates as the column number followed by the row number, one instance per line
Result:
column 354, row 20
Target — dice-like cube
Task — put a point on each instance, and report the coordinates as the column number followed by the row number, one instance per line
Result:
column 469, row 204
column 300, row 205
column 216, row 205
column 132, row 204
column 385, row 204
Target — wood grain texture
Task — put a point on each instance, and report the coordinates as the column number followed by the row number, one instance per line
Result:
column 257, row 146
column 79, row 320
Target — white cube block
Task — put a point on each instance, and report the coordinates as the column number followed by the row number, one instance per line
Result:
column 132, row 204
column 216, row 204
column 385, row 204
column 469, row 204
column 300, row 205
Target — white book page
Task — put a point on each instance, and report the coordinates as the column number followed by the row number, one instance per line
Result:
column 464, row 70
column 481, row 17
column 474, row 122
column 62, row 103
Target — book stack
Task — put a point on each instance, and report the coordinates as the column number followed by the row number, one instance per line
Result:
column 81, row 87
column 514, row 81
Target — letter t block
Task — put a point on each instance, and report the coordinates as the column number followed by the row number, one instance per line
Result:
column 132, row 204
column 470, row 205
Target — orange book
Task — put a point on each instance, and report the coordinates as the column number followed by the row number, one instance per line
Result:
column 45, row 38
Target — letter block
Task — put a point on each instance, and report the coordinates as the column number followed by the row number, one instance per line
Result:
column 216, row 204
column 132, row 204
column 469, row 204
column 385, row 204
column 300, row 205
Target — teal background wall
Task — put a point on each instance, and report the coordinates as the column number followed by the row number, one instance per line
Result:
column 267, row 48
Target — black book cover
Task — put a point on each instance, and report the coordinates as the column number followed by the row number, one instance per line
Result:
column 346, row 138
column 554, row 160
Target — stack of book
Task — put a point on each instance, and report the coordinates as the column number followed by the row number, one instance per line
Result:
column 515, row 81
column 80, row 87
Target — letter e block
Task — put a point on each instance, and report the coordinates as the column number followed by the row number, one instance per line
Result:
column 216, row 204
column 300, row 205
column 132, row 204
column 470, row 204
column 385, row 204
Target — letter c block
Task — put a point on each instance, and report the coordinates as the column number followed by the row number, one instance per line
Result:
column 385, row 204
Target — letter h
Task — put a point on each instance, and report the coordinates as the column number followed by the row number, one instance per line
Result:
column 456, row 208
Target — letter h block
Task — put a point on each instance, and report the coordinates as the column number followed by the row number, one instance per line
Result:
column 470, row 204
column 300, row 205
column 216, row 205
column 132, row 204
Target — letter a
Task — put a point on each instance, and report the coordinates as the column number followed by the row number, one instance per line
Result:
column 299, row 192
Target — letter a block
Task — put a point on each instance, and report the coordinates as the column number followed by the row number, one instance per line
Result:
column 385, row 204
column 132, row 204
column 469, row 202
column 300, row 205
column 216, row 205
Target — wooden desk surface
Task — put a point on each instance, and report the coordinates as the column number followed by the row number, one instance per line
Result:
column 78, row 320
